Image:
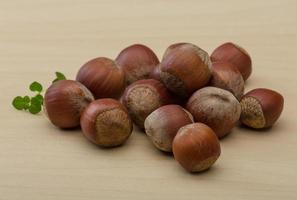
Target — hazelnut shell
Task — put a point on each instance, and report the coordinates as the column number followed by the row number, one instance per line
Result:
column 138, row 62
column 261, row 108
column 233, row 53
column 162, row 125
column 185, row 68
column 106, row 122
column 143, row 97
column 215, row 107
column 102, row 77
column 226, row 76
column 64, row 101
column 196, row 147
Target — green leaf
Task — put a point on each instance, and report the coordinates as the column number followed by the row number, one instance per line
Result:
column 37, row 101
column 26, row 99
column 18, row 103
column 35, row 108
column 36, row 87
column 39, row 97
column 59, row 76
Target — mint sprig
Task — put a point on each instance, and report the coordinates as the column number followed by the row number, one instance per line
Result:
column 59, row 77
column 20, row 103
column 31, row 104
column 34, row 104
column 36, row 87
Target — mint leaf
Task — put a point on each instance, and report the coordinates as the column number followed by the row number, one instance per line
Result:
column 21, row 103
column 39, row 97
column 37, row 100
column 26, row 99
column 34, row 104
column 34, row 108
column 18, row 103
column 59, row 77
column 36, row 87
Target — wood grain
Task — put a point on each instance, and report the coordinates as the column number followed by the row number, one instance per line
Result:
column 39, row 161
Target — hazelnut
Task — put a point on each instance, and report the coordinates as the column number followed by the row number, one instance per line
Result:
column 156, row 73
column 226, row 76
column 106, row 123
column 230, row 52
column 137, row 61
column 162, row 125
column 261, row 108
column 102, row 77
column 215, row 107
column 196, row 147
column 64, row 101
column 185, row 68
column 143, row 97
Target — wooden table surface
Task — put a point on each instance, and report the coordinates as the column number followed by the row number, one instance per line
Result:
column 39, row 161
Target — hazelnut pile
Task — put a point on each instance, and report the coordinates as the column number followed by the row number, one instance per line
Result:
column 185, row 103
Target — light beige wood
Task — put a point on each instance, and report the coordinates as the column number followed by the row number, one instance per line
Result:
column 39, row 161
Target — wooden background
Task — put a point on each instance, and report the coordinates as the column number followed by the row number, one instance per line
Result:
column 39, row 37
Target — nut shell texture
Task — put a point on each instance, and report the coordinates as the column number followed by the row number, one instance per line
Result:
column 230, row 52
column 196, row 147
column 102, row 77
column 185, row 68
column 261, row 108
column 106, row 123
column 138, row 62
column 156, row 73
column 143, row 97
column 215, row 107
column 227, row 76
column 162, row 125
column 64, row 101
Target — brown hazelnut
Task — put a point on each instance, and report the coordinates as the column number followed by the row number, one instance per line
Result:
column 156, row 73
column 106, row 123
column 215, row 107
column 232, row 53
column 261, row 108
column 185, row 68
column 196, row 147
column 102, row 77
column 137, row 61
column 162, row 125
column 64, row 101
column 143, row 97
column 226, row 76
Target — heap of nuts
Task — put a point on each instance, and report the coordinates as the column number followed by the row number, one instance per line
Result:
column 185, row 103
